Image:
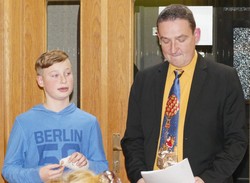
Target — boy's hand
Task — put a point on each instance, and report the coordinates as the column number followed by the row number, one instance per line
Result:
column 79, row 159
column 50, row 172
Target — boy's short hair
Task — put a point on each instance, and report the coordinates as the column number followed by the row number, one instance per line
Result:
column 49, row 58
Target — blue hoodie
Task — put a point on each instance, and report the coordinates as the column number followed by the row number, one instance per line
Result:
column 40, row 137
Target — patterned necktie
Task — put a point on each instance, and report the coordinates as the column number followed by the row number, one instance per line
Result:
column 167, row 153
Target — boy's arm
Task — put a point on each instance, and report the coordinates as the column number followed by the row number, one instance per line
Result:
column 15, row 173
column 96, row 157
column 13, row 169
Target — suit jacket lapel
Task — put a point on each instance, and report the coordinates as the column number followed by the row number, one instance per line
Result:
column 159, row 86
column 198, row 82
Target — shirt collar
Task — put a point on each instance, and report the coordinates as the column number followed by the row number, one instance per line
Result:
column 188, row 69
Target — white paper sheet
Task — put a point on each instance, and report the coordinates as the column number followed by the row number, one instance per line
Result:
column 178, row 173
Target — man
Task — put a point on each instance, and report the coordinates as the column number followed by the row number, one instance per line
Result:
column 211, row 126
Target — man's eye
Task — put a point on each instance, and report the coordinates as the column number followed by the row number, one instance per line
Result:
column 182, row 40
column 166, row 41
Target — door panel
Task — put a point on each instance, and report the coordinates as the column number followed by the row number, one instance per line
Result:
column 106, row 71
column 23, row 39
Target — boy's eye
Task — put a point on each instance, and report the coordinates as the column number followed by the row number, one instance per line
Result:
column 68, row 73
column 54, row 75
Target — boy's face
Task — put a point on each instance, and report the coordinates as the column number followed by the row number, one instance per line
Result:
column 57, row 81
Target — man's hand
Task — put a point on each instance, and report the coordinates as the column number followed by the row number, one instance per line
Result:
column 50, row 172
column 141, row 180
column 198, row 180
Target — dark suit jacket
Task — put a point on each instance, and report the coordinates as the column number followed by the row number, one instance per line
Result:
column 215, row 137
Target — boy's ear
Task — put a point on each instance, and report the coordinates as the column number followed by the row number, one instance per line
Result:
column 39, row 80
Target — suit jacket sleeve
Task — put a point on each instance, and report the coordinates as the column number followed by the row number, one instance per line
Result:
column 215, row 133
column 133, row 140
column 140, row 140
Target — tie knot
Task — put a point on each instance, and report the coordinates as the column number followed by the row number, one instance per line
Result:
column 178, row 72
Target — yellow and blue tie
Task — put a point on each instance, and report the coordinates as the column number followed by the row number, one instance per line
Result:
column 167, row 153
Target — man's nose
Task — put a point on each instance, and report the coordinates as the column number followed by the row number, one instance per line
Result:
column 173, row 47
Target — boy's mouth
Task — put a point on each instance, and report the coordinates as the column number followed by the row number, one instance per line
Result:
column 63, row 89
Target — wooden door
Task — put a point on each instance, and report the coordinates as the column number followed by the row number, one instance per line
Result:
column 22, row 40
column 106, row 65
column 107, row 69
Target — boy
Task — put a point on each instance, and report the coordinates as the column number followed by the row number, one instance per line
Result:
column 48, row 132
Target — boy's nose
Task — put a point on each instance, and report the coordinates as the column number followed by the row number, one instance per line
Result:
column 63, row 79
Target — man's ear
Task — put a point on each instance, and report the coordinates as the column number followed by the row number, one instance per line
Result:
column 159, row 39
column 197, row 34
column 39, row 80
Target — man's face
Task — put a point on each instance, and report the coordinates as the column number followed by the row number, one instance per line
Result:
column 57, row 81
column 177, row 41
